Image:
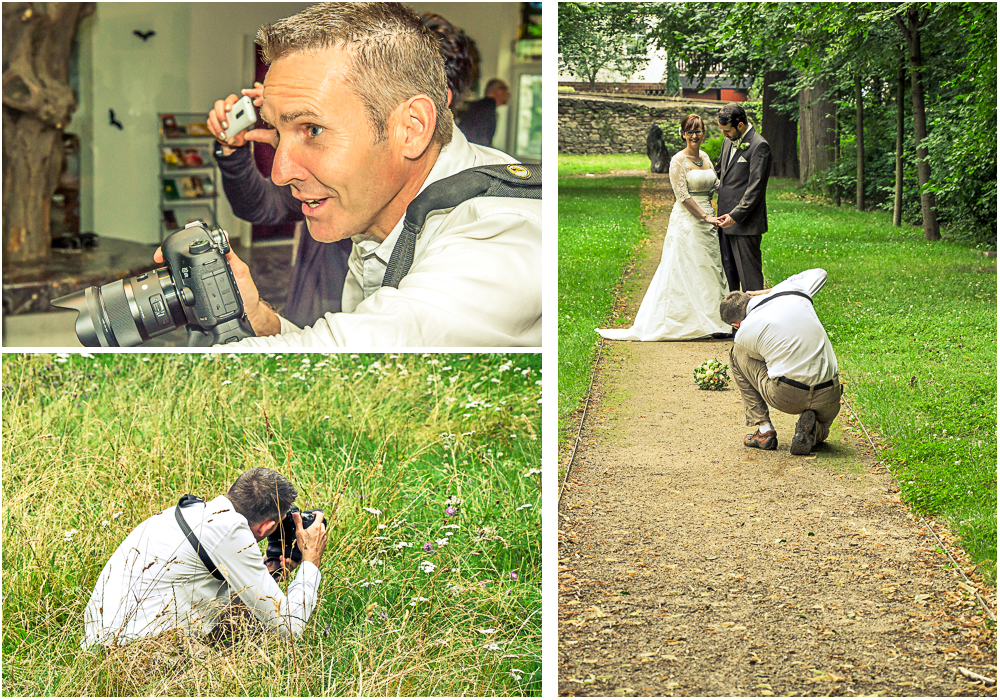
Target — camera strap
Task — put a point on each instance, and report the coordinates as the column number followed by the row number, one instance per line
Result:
column 187, row 500
column 781, row 294
column 504, row 180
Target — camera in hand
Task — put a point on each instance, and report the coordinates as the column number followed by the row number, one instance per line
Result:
column 196, row 287
column 282, row 542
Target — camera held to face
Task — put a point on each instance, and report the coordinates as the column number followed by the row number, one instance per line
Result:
column 195, row 287
column 282, row 542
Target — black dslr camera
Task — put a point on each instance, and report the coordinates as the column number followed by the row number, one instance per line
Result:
column 196, row 287
column 282, row 541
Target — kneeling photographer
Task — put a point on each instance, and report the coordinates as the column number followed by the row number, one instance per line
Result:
column 187, row 566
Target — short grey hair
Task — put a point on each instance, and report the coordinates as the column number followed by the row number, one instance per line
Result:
column 733, row 308
column 493, row 84
column 393, row 55
column 261, row 494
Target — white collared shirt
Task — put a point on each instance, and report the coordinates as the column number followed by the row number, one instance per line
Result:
column 737, row 142
column 787, row 334
column 156, row 582
column 476, row 278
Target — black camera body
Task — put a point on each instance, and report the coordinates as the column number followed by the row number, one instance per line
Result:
column 195, row 287
column 282, row 541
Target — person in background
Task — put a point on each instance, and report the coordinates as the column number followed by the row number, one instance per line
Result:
column 479, row 123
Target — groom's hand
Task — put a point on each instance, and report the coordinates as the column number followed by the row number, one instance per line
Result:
column 725, row 221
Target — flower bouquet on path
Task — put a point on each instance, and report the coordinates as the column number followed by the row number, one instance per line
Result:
column 711, row 375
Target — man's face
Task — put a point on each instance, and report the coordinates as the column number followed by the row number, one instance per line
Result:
column 733, row 132
column 501, row 95
column 325, row 148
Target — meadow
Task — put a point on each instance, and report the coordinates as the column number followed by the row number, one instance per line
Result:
column 427, row 465
column 913, row 324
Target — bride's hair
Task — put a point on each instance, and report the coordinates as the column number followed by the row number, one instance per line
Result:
column 689, row 121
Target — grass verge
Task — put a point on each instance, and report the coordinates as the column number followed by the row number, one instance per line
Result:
column 93, row 445
column 599, row 230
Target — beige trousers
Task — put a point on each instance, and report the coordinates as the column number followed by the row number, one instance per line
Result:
column 759, row 392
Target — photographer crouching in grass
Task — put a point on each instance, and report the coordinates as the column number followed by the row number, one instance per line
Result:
column 196, row 564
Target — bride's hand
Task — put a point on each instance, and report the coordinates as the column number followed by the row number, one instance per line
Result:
column 714, row 221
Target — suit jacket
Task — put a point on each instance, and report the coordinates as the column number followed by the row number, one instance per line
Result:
column 743, row 186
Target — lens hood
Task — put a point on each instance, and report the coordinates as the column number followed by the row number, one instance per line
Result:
column 87, row 306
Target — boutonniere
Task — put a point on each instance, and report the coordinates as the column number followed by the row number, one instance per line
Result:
column 744, row 146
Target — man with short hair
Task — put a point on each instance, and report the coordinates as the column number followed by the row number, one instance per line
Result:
column 358, row 98
column 782, row 357
column 479, row 122
column 156, row 581
column 743, row 170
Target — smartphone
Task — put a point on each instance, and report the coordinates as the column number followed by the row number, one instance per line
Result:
column 240, row 117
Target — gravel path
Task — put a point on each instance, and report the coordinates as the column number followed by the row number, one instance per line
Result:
column 690, row 565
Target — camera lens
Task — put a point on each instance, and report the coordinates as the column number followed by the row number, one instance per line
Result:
column 126, row 313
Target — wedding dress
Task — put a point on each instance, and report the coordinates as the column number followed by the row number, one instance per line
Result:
column 682, row 301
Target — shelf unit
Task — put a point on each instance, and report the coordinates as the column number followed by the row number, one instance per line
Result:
column 186, row 167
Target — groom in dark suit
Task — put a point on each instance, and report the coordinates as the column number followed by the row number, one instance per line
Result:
column 743, row 169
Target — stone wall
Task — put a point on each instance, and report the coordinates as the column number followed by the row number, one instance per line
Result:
column 591, row 124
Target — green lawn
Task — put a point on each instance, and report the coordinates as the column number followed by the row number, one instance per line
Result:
column 913, row 324
column 599, row 231
column 93, row 445
column 581, row 165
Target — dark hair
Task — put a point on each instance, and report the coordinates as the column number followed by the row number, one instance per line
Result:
column 261, row 494
column 733, row 308
column 732, row 114
column 393, row 55
column 688, row 120
column 454, row 45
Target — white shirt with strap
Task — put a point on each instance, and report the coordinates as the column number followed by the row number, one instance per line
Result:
column 787, row 334
column 476, row 278
column 155, row 581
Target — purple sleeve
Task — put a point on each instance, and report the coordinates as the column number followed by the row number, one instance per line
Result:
column 253, row 197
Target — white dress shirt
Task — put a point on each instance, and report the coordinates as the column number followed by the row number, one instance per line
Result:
column 787, row 334
column 155, row 581
column 736, row 144
column 476, row 278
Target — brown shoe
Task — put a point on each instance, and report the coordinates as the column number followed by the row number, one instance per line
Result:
column 805, row 434
column 762, row 441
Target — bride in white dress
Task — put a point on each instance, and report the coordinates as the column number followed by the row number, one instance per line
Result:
column 682, row 302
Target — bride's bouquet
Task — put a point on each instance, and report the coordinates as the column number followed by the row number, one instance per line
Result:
column 711, row 375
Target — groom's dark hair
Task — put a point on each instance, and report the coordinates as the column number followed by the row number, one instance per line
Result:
column 733, row 308
column 732, row 114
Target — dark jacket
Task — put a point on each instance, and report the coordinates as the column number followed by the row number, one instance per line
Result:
column 743, row 186
column 479, row 123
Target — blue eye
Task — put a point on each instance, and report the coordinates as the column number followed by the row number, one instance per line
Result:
column 314, row 130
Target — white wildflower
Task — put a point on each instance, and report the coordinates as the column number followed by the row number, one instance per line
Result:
column 373, row 511
column 488, row 630
column 68, row 534
column 526, row 505
column 427, row 567
column 401, row 544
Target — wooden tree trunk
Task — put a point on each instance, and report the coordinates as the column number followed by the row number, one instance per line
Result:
column 37, row 105
column 836, row 154
column 897, row 204
column 859, row 137
column 932, row 231
column 817, row 132
column 779, row 129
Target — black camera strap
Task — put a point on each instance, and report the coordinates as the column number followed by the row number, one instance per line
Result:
column 187, row 500
column 781, row 294
column 505, row 180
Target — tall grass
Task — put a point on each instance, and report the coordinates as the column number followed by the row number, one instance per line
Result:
column 92, row 446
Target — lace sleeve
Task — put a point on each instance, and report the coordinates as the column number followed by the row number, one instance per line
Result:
column 715, row 187
column 678, row 178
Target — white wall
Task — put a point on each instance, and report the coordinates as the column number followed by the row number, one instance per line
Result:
column 198, row 55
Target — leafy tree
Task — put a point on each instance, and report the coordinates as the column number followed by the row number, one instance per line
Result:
column 595, row 36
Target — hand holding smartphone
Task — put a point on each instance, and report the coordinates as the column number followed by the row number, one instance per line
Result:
column 241, row 116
